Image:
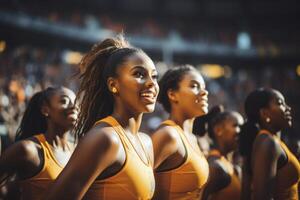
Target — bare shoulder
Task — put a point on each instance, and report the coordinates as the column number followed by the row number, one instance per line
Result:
column 100, row 138
column 166, row 135
column 20, row 154
column 95, row 152
column 266, row 144
column 27, row 149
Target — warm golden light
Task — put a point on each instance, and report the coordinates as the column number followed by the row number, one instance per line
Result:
column 2, row 46
column 72, row 57
column 212, row 70
column 298, row 70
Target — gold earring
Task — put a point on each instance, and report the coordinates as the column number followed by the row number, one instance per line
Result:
column 114, row 90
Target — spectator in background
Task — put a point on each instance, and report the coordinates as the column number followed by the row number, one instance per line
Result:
column 201, row 126
column 270, row 169
column 42, row 148
column 224, row 180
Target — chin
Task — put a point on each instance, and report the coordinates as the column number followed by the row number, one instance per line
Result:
column 149, row 108
column 201, row 112
column 205, row 110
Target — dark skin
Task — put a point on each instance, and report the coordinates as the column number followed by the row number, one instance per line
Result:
column 268, row 155
column 169, row 151
column 226, row 141
column 25, row 158
column 100, row 153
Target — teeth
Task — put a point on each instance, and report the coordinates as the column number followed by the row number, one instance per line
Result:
column 147, row 95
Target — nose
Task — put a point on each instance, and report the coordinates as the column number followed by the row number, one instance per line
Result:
column 150, row 82
column 203, row 93
column 71, row 104
column 288, row 108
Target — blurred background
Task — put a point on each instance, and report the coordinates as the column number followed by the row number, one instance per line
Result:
column 238, row 45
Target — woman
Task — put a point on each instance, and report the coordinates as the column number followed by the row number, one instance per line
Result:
column 224, row 181
column 43, row 148
column 270, row 168
column 112, row 160
column 181, row 168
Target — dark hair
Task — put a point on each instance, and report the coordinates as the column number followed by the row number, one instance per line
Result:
column 255, row 101
column 170, row 80
column 33, row 121
column 100, row 63
column 203, row 124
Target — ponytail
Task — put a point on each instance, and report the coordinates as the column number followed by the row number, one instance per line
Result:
column 203, row 124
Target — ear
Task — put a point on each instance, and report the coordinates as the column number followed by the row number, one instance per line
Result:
column 264, row 113
column 45, row 110
column 218, row 130
column 172, row 95
column 112, row 85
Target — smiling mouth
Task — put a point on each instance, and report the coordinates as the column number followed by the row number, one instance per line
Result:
column 202, row 102
column 288, row 117
column 72, row 115
column 150, row 97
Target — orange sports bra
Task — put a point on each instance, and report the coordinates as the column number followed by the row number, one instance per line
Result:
column 231, row 191
column 134, row 181
column 288, row 176
column 35, row 187
column 187, row 180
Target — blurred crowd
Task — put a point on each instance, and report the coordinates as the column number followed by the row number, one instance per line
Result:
column 203, row 31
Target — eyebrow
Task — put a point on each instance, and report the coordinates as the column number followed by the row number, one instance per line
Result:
column 64, row 95
column 137, row 67
column 142, row 68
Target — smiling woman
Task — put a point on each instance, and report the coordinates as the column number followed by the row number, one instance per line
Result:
column 181, row 168
column 113, row 159
column 43, row 148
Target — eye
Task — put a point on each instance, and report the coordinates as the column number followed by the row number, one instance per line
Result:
column 64, row 101
column 195, row 85
column 236, row 125
column 155, row 77
column 139, row 74
column 280, row 102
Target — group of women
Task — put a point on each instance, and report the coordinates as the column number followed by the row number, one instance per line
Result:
column 113, row 160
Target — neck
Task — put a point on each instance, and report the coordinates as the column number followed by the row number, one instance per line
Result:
column 185, row 123
column 57, row 137
column 222, row 148
column 272, row 130
column 129, row 123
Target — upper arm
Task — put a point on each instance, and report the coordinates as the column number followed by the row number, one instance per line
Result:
column 264, row 167
column 164, row 144
column 148, row 145
column 94, row 153
column 19, row 156
column 218, row 178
